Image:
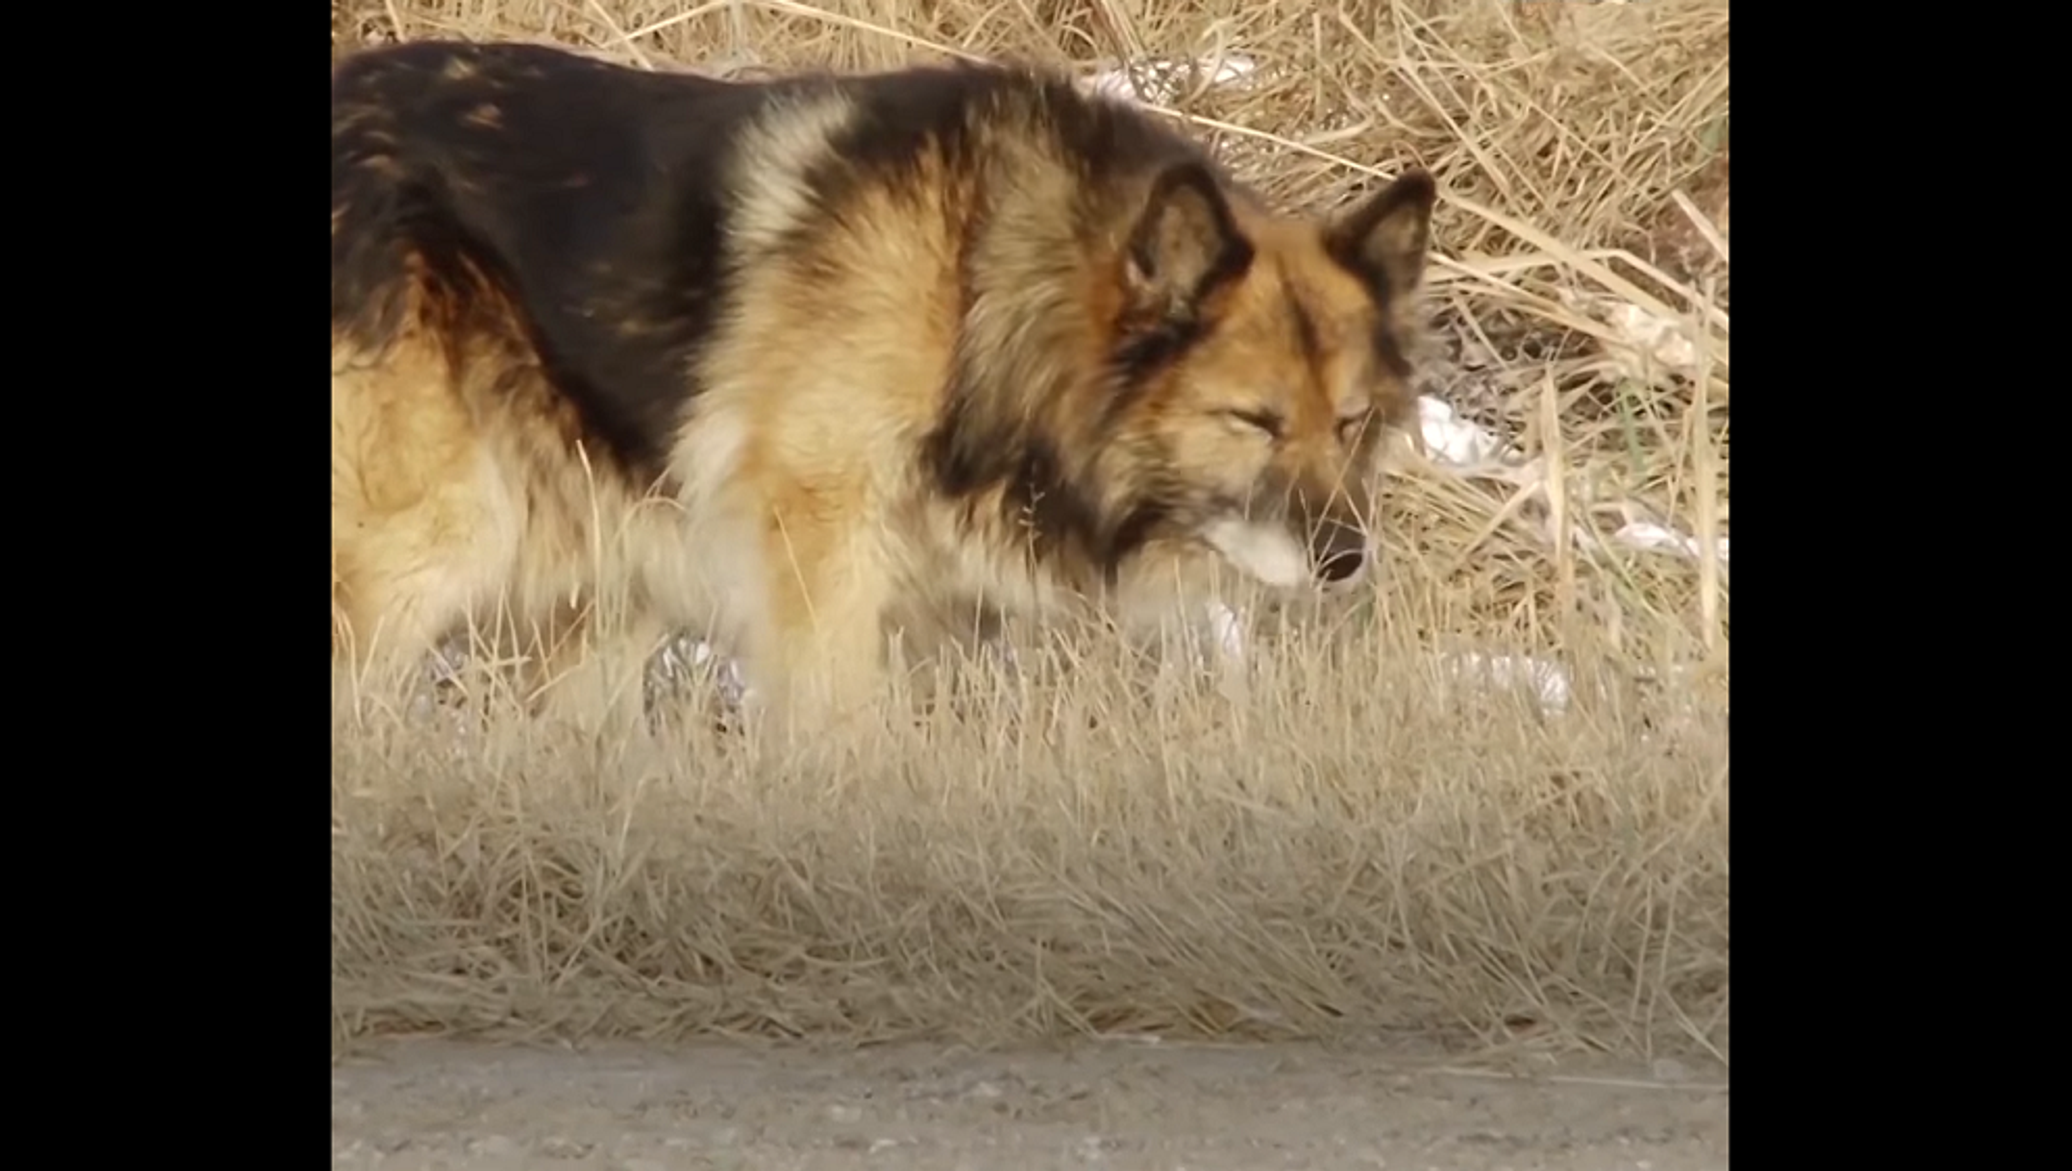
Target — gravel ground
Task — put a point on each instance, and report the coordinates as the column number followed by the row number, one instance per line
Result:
column 1124, row 1107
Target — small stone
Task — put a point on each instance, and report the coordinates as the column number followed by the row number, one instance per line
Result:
column 839, row 1113
column 1094, row 1147
column 1669, row 1069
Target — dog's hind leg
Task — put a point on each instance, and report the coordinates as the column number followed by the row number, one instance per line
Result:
column 400, row 589
column 422, row 529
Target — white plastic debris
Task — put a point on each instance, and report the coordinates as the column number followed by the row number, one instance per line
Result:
column 1548, row 681
column 1459, row 445
column 1161, row 80
column 1227, row 626
column 1661, row 338
column 1455, row 441
column 1651, row 343
column 685, row 654
column 1643, row 534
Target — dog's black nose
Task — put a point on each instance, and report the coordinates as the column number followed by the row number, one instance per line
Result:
column 1338, row 551
column 1340, row 566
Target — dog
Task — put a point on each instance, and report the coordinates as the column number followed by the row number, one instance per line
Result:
column 803, row 360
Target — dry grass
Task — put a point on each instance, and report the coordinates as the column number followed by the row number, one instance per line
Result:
column 1101, row 845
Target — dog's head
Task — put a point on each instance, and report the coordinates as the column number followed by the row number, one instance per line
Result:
column 1256, row 366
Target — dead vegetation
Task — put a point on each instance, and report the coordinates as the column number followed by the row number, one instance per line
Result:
column 1369, row 838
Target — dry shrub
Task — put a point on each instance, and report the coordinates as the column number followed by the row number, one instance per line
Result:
column 1115, row 849
column 1098, row 845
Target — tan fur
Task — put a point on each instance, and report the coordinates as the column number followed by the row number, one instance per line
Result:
column 452, row 494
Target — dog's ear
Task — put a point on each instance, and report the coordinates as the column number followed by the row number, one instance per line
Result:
column 1384, row 239
column 1184, row 244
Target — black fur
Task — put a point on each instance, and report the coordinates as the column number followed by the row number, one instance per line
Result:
column 564, row 180
column 1347, row 243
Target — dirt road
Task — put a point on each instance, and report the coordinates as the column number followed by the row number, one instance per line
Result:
column 1122, row 1107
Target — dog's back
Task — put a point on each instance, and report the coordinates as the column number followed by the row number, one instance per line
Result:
column 534, row 171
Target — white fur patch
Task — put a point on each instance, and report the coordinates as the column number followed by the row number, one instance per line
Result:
column 1267, row 552
column 770, row 163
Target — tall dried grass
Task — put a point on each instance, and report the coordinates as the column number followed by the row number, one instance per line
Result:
column 1364, row 839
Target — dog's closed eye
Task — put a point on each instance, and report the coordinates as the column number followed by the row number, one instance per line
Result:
column 1267, row 421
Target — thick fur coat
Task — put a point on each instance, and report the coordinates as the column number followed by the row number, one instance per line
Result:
column 798, row 361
